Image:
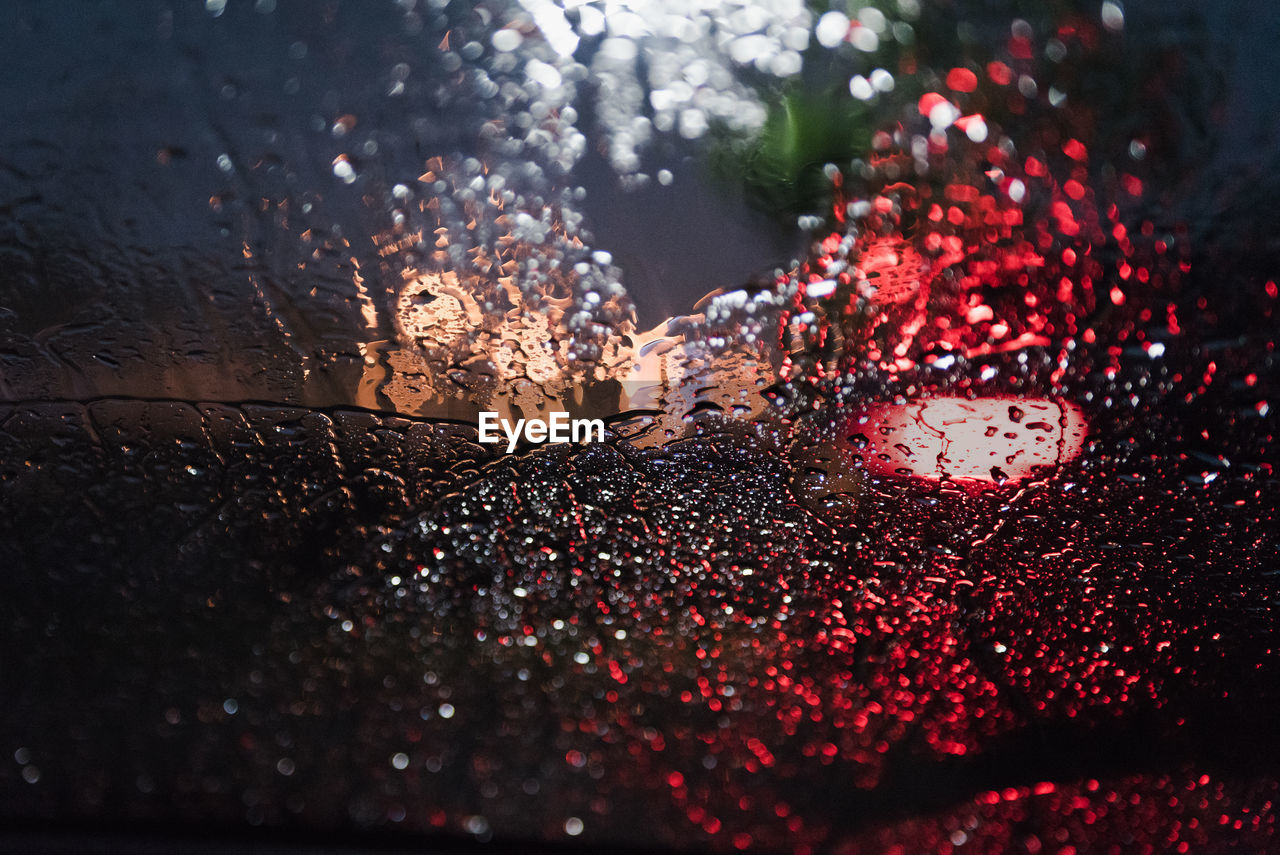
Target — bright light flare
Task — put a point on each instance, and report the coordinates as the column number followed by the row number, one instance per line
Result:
column 988, row 440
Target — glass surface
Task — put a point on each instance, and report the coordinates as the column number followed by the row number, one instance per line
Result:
column 933, row 348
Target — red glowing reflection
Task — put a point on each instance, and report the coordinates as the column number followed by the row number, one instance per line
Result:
column 985, row 440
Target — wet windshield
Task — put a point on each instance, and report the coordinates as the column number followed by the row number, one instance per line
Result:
column 720, row 426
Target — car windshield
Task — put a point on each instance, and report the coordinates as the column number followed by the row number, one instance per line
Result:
column 733, row 425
